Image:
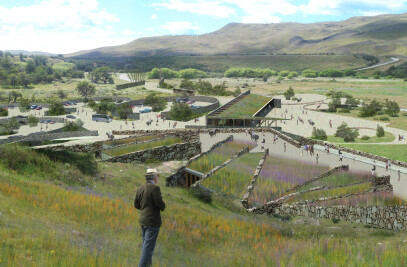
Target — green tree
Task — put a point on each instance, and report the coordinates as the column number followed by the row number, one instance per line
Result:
column 56, row 108
column 3, row 112
column 289, row 93
column 61, row 94
column 85, row 89
column 124, row 110
column 157, row 103
column 32, row 121
column 24, row 105
column 180, row 112
column 392, row 108
column 10, row 126
column 166, row 73
column 319, row 134
column 192, row 74
column 348, row 134
column 334, row 104
column 30, row 67
column 101, row 74
column 379, row 131
column 370, row 109
column 237, row 91
column 283, row 73
column 187, row 84
column 13, row 96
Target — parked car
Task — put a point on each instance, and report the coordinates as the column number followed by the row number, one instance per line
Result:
column 191, row 102
column 196, row 106
column 38, row 108
column 52, row 122
column 181, row 100
column 33, row 106
column 66, row 105
column 70, row 116
column 145, row 110
column 21, row 117
column 45, row 121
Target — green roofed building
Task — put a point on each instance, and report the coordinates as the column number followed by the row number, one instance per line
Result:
column 246, row 110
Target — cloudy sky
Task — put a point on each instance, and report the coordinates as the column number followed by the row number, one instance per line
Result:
column 63, row 26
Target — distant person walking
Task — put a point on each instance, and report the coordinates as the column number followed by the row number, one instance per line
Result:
column 149, row 201
column 317, row 157
column 285, row 147
column 340, row 157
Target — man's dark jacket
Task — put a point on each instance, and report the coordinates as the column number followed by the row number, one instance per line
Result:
column 149, row 202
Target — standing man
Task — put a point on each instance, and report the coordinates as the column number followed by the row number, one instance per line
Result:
column 150, row 203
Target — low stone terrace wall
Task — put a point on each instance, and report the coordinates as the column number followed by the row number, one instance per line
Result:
column 185, row 135
column 177, row 179
column 163, row 153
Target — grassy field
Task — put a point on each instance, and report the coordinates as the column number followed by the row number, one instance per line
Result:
column 388, row 137
column 395, row 152
column 234, row 178
column 143, row 146
column 44, row 224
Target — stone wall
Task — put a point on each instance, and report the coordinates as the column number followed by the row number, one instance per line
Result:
column 185, row 135
column 129, row 85
column 386, row 217
column 177, row 179
column 52, row 136
column 181, row 151
column 87, row 148
column 245, row 200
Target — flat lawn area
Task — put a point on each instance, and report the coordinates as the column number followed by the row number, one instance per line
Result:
column 138, row 147
column 234, row 178
column 388, row 137
column 395, row 152
column 399, row 122
column 247, row 106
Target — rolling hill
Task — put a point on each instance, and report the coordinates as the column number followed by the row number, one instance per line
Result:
column 379, row 35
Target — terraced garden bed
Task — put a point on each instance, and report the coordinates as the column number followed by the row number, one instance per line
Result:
column 234, row 178
column 367, row 199
column 143, row 146
column 359, row 188
column 219, row 155
column 247, row 106
column 278, row 175
column 136, row 139
column 337, row 179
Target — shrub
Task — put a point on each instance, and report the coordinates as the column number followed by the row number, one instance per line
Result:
column 334, row 104
column 331, row 73
column 348, row 134
column 91, row 103
column 319, row 134
column 192, row 74
column 283, row 73
column 335, row 220
column 165, row 85
column 371, row 109
column 165, row 73
column 344, row 110
column 73, row 126
column 3, row 112
column 24, row 105
column 289, row 93
column 202, row 194
column 376, row 77
column 9, row 127
column 379, row 131
column 384, row 118
column 365, row 137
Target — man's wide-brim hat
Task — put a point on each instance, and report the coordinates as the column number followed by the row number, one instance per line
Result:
column 152, row 171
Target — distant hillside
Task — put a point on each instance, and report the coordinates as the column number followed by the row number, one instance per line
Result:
column 30, row 53
column 380, row 35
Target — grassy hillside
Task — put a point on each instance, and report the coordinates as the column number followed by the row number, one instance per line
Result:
column 44, row 224
column 380, row 35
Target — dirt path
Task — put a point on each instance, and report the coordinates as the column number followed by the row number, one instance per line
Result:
column 393, row 60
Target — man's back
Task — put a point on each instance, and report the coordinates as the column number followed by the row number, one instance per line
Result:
column 150, row 203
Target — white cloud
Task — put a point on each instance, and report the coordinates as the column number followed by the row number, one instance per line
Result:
column 211, row 8
column 57, row 26
column 364, row 7
column 128, row 32
column 154, row 16
column 180, row 27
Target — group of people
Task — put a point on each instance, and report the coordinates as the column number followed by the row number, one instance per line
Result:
column 401, row 137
